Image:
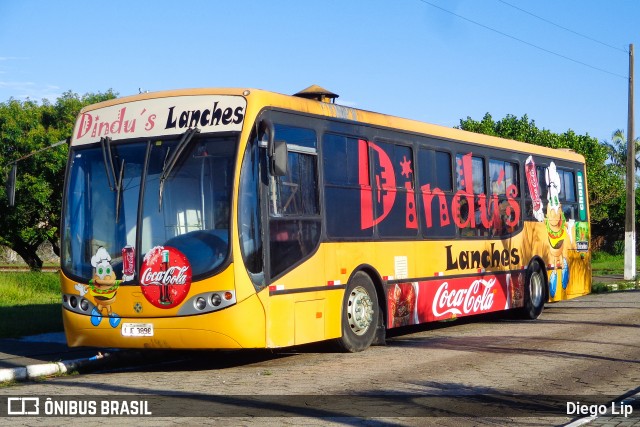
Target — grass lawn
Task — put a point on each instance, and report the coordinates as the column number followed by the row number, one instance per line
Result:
column 30, row 303
column 603, row 264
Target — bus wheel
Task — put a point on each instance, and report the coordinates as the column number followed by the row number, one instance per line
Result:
column 360, row 314
column 534, row 292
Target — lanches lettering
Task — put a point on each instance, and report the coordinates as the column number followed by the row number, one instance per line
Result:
column 202, row 118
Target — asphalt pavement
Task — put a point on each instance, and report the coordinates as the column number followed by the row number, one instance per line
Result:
column 46, row 355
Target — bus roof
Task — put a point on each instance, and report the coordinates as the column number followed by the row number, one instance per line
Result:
column 258, row 99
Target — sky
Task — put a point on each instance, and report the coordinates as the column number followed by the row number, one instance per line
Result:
column 563, row 63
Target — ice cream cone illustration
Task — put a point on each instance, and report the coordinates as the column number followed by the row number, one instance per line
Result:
column 556, row 225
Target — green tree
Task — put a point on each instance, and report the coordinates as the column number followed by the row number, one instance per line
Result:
column 26, row 126
column 618, row 150
column 605, row 184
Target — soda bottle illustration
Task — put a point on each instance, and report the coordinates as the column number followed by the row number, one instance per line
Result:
column 165, row 297
column 128, row 263
column 534, row 188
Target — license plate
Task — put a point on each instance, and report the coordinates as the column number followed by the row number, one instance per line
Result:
column 137, row 329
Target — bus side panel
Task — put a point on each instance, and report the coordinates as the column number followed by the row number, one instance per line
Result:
column 305, row 305
column 301, row 318
column 443, row 298
column 568, row 264
column 280, row 319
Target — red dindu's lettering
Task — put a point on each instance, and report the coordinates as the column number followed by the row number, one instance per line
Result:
column 386, row 187
column 412, row 216
column 386, row 179
column 489, row 210
column 466, row 209
column 366, row 196
column 121, row 125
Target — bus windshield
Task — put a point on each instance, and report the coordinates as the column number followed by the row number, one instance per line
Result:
column 188, row 211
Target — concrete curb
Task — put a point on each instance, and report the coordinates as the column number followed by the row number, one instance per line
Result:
column 30, row 372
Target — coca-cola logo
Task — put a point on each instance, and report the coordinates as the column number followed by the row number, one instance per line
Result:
column 476, row 298
column 166, row 276
column 173, row 276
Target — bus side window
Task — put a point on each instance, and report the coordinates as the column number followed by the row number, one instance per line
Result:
column 435, row 193
column 503, row 183
column 294, row 221
column 473, row 227
column 394, row 195
column 568, row 194
column 345, row 162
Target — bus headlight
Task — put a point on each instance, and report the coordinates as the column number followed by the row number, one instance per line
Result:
column 77, row 304
column 208, row 302
column 200, row 303
column 216, row 300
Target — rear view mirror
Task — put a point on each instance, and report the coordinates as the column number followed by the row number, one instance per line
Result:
column 279, row 159
column 278, row 152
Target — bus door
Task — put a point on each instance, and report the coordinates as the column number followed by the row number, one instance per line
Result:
column 286, row 166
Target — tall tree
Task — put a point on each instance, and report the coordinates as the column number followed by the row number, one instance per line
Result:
column 617, row 149
column 26, row 126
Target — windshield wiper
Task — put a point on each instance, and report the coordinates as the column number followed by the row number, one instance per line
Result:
column 119, row 190
column 115, row 183
column 173, row 159
column 105, row 143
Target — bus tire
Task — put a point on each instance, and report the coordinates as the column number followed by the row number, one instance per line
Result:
column 360, row 314
column 534, row 292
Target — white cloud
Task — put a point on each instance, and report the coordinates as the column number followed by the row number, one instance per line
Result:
column 31, row 90
column 16, row 89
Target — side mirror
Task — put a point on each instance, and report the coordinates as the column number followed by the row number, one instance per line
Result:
column 11, row 184
column 280, row 158
column 278, row 152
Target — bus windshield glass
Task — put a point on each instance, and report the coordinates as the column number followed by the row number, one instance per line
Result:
column 190, row 212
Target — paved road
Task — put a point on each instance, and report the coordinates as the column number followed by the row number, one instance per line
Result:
column 509, row 372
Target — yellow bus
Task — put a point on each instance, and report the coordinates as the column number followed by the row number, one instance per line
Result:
column 241, row 218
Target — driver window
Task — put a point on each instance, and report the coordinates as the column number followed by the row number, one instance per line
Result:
column 294, row 225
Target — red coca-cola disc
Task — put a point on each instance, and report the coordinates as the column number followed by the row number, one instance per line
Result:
column 165, row 276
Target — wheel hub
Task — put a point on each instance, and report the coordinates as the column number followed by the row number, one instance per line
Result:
column 359, row 310
column 536, row 289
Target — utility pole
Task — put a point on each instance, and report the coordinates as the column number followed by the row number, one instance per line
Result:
column 630, row 218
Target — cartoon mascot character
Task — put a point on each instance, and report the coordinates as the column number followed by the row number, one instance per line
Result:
column 103, row 288
column 558, row 229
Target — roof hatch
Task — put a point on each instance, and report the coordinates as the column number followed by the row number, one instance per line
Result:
column 317, row 93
